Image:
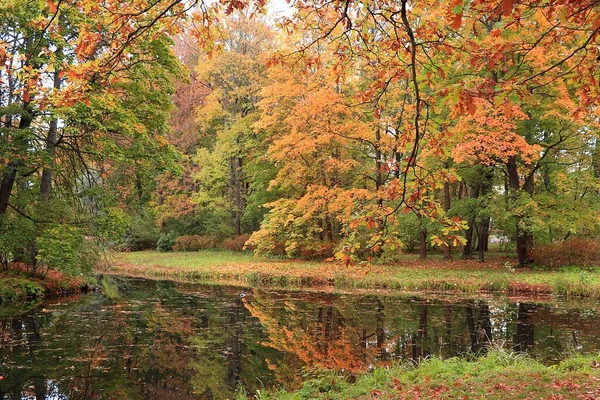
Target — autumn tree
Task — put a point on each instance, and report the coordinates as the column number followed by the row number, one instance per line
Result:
column 80, row 99
column 526, row 107
column 227, row 144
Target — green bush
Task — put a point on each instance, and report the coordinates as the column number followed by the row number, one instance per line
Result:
column 17, row 288
column 142, row 233
column 16, row 238
column 408, row 232
column 166, row 241
column 195, row 243
column 64, row 248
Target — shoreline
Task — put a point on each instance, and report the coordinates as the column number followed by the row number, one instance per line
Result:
column 17, row 286
column 454, row 277
column 499, row 374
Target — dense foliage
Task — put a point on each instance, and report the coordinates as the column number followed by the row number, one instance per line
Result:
column 368, row 129
column 354, row 129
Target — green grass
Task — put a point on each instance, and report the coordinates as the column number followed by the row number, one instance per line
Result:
column 187, row 260
column 497, row 375
column 409, row 274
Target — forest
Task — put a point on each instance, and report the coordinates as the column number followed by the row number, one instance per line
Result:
column 426, row 145
column 353, row 130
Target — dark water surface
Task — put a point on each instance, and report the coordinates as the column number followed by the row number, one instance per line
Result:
column 162, row 340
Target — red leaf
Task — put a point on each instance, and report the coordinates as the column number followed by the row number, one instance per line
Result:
column 456, row 21
column 52, row 7
column 507, row 7
column 469, row 103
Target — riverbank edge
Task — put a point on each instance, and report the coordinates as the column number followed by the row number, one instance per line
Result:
column 500, row 374
column 16, row 286
column 505, row 283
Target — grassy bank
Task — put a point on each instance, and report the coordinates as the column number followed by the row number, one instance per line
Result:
column 412, row 274
column 17, row 285
column 498, row 375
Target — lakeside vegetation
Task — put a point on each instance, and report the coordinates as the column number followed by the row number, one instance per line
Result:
column 497, row 375
column 19, row 286
column 468, row 276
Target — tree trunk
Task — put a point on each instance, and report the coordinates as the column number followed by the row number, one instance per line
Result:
column 468, row 249
column 378, row 183
column 398, row 158
column 6, row 185
column 329, row 226
column 596, row 158
column 237, row 187
column 46, row 183
column 10, row 174
column 423, row 239
column 447, row 202
column 483, row 230
column 523, row 238
column 51, row 141
column 483, row 237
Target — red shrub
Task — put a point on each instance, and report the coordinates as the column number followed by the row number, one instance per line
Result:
column 237, row 243
column 319, row 252
column 574, row 252
column 195, row 243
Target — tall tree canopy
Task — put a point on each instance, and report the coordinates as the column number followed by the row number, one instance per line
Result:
column 354, row 128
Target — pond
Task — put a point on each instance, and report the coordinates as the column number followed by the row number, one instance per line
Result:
column 165, row 340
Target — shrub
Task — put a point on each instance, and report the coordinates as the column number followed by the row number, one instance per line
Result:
column 64, row 248
column 408, row 232
column 574, row 252
column 195, row 243
column 318, row 252
column 16, row 238
column 17, row 288
column 237, row 243
column 142, row 233
column 166, row 241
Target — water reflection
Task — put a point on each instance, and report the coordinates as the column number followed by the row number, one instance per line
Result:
column 162, row 340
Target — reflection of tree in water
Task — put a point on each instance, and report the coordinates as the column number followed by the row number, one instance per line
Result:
column 524, row 335
column 415, row 328
column 217, row 373
column 162, row 343
column 156, row 343
column 21, row 334
column 479, row 328
column 229, row 350
column 98, row 350
column 315, row 333
column 351, row 332
column 108, row 361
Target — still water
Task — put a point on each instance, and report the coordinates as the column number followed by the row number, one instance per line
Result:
column 165, row 340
